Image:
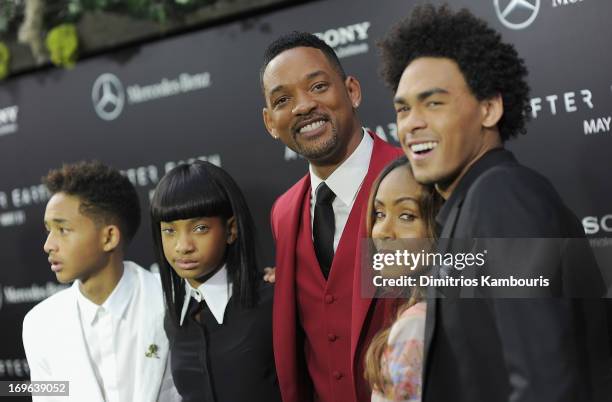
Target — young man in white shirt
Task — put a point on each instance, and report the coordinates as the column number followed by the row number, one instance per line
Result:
column 105, row 333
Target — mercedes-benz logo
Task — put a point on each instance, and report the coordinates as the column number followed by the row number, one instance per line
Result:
column 517, row 14
column 108, row 96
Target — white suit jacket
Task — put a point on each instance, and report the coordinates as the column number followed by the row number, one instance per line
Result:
column 56, row 350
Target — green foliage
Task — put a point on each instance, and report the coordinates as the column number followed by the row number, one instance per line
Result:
column 8, row 11
column 139, row 7
column 62, row 41
column 63, row 44
column 157, row 10
column 5, row 58
column 64, row 11
column 4, row 22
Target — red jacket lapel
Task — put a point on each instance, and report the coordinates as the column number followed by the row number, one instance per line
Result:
column 285, row 219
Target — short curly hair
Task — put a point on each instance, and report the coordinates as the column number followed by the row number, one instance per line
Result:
column 299, row 39
column 105, row 194
column 489, row 66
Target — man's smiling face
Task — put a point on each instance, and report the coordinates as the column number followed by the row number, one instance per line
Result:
column 309, row 107
column 439, row 120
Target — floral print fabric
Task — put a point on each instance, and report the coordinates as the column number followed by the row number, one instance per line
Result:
column 402, row 360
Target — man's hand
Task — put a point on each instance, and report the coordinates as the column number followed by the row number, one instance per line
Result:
column 270, row 274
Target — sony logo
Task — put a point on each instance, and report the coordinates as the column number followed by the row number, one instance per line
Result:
column 343, row 35
column 593, row 224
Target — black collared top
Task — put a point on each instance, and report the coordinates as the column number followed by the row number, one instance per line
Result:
column 490, row 159
column 229, row 362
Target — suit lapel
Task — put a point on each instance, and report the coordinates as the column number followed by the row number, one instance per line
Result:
column 152, row 344
column 286, row 216
column 487, row 161
column 432, row 295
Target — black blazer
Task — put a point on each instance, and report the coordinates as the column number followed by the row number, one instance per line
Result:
column 532, row 349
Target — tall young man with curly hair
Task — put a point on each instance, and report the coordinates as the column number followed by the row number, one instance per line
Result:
column 460, row 93
column 104, row 334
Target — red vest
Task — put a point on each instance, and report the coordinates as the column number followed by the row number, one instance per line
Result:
column 322, row 329
column 322, row 310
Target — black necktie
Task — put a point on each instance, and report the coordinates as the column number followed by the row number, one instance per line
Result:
column 323, row 228
column 194, row 309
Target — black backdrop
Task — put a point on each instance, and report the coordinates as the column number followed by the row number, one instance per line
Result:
column 198, row 96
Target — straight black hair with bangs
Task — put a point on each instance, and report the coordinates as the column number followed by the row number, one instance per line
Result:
column 201, row 189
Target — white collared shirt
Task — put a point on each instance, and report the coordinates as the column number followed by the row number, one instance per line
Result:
column 110, row 331
column 345, row 182
column 216, row 292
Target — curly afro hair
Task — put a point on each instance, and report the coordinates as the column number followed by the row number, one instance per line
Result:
column 106, row 195
column 489, row 66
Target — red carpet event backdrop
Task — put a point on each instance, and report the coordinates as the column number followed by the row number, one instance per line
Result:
column 197, row 96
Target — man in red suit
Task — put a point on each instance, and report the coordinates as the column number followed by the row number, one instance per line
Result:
column 322, row 325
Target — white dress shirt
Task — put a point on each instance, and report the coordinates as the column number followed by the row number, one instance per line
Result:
column 110, row 331
column 345, row 182
column 118, row 351
column 216, row 292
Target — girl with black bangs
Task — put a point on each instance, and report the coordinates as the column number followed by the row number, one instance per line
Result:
column 219, row 310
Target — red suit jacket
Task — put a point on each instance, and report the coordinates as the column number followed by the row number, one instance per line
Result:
column 293, row 374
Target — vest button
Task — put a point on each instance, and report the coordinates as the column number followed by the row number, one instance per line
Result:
column 337, row 375
column 331, row 337
column 329, row 299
